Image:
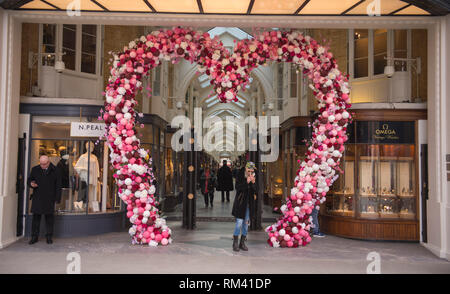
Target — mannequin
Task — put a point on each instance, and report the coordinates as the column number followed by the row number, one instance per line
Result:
column 81, row 168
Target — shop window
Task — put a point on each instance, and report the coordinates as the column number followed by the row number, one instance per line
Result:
column 69, row 46
column 342, row 195
column 379, row 180
column 171, row 80
column 280, row 69
column 400, row 48
column 370, row 48
column 361, row 53
column 293, row 81
column 88, row 48
column 48, row 44
column 78, row 43
column 80, row 160
column 156, row 88
column 379, row 51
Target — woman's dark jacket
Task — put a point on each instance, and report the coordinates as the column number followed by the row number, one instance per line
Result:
column 225, row 179
column 244, row 196
column 211, row 182
column 48, row 191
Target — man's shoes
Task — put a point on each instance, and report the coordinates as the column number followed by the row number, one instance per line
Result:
column 242, row 243
column 319, row 235
column 49, row 240
column 235, row 243
column 33, row 240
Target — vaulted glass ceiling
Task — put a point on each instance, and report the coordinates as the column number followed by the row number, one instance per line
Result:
column 244, row 7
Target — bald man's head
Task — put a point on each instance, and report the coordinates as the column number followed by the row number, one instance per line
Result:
column 44, row 162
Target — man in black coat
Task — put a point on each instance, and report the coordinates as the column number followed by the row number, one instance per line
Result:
column 45, row 179
column 244, row 206
column 225, row 181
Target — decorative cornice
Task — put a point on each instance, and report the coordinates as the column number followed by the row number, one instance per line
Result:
column 164, row 19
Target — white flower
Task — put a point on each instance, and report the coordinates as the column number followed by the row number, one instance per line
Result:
column 215, row 56
column 132, row 44
column 282, row 232
column 121, row 90
column 229, row 95
column 152, row 190
column 118, row 99
column 153, row 243
column 320, row 50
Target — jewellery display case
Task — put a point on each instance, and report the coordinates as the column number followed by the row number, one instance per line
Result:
column 377, row 195
column 341, row 197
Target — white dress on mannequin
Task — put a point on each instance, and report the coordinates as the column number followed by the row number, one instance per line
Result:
column 94, row 172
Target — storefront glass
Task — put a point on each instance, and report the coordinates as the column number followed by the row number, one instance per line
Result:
column 87, row 184
column 378, row 180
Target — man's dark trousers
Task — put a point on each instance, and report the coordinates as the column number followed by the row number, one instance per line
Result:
column 36, row 223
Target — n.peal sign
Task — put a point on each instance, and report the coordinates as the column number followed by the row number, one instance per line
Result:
column 87, row 129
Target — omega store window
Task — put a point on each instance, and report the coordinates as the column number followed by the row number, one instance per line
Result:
column 89, row 199
column 377, row 196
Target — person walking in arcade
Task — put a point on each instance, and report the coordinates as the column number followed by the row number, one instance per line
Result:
column 225, row 180
column 244, row 205
column 45, row 179
column 207, row 186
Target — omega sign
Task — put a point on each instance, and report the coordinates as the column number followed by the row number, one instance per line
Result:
column 385, row 133
column 87, row 129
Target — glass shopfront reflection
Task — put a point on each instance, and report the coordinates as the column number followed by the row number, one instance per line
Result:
column 87, row 184
column 379, row 173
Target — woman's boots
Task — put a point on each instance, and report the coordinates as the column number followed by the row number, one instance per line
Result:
column 235, row 243
column 241, row 245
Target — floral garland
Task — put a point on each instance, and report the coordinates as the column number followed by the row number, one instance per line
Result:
column 228, row 74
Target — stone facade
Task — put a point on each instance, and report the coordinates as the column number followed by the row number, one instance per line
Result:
column 115, row 38
column 419, row 49
column 30, row 43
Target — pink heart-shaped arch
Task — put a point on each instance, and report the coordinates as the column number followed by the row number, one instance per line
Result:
column 228, row 74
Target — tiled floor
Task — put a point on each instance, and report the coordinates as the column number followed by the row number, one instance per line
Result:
column 208, row 250
column 219, row 210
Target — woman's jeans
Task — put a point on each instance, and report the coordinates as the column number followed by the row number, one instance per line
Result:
column 242, row 223
column 315, row 214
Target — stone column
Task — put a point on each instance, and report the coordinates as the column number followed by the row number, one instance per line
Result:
column 438, row 210
column 10, row 51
